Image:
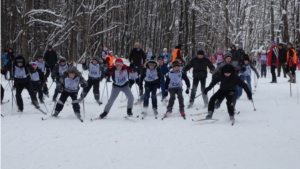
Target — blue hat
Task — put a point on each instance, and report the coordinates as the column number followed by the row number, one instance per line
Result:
column 273, row 41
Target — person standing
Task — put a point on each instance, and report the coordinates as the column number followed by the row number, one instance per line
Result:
column 50, row 58
column 219, row 57
column 137, row 56
column 282, row 60
column 166, row 56
column 273, row 60
column 291, row 65
column 199, row 66
column 263, row 63
column 177, row 54
column 150, row 55
column 109, row 60
column 234, row 53
column 37, row 80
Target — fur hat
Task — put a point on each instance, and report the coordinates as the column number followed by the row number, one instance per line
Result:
column 72, row 69
column 96, row 58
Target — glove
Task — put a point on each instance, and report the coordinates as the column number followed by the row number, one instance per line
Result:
column 83, row 85
column 205, row 91
column 187, row 91
column 249, row 95
column 166, row 93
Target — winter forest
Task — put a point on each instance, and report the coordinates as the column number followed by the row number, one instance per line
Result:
column 80, row 28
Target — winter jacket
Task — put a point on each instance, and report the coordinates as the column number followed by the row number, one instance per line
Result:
column 19, row 77
column 177, row 55
column 247, row 69
column 273, row 57
column 147, row 74
column 109, row 59
column 240, row 53
column 164, row 70
column 166, row 57
column 218, row 58
column 64, row 80
column 263, row 59
column 235, row 64
column 235, row 56
column 282, row 55
column 120, row 79
column 8, row 59
column 138, row 58
column 50, row 58
column 183, row 77
column 40, row 76
column 199, row 67
column 291, row 56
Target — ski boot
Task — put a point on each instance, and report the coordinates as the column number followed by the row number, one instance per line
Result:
column 190, row 104
column 209, row 115
column 55, row 114
column 20, row 110
column 36, row 104
column 182, row 114
column 42, row 101
column 102, row 115
column 77, row 115
column 155, row 111
column 129, row 112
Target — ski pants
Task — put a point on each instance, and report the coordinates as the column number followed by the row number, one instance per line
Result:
column 273, row 73
column 92, row 82
column 150, row 88
column 45, row 88
column 2, row 93
column 220, row 95
column 194, row 89
column 281, row 65
column 219, row 101
column 63, row 97
column 19, row 88
column 48, row 70
column 114, row 94
column 172, row 92
column 163, row 89
column 248, row 80
column 263, row 70
column 37, row 88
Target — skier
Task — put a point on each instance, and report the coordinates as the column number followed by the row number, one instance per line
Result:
column 177, row 54
column 246, row 74
column 95, row 68
column 68, row 85
column 151, row 73
column 37, row 80
column 229, row 81
column 199, row 66
column 241, row 54
column 41, row 65
column 219, row 57
column 291, row 65
column 21, row 72
column 58, row 72
column 50, row 58
column 273, row 60
column 8, row 57
column 234, row 53
column 263, row 63
column 174, row 86
column 109, row 60
column 137, row 56
column 282, row 60
column 119, row 74
column 164, row 70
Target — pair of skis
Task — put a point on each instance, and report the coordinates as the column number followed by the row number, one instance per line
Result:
column 79, row 118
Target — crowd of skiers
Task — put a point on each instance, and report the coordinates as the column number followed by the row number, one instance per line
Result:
column 150, row 73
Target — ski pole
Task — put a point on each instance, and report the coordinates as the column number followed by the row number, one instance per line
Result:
column 50, row 85
column 291, row 87
column 54, row 107
column 138, row 94
column 106, row 90
column 253, row 105
column 198, row 95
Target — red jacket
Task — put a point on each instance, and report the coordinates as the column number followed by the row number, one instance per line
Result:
column 270, row 54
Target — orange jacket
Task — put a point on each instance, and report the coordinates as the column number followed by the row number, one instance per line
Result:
column 175, row 56
column 293, row 59
column 110, row 61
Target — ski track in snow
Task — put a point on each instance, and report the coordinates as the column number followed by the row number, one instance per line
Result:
column 265, row 138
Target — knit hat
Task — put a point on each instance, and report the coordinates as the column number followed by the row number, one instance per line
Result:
column 110, row 51
column 233, row 45
column 280, row 44
column 200, row 52
column 72, row 69
column 273, row 42
column 246, row 58
column 119, row 61
column 227, row 54
column 104, row 47
column 40, row 56
column 49, row 46
column 175, row 63
column 240, row 46
column 179, row 45
column 62, row 59
column 228, row 68
column 96, row 58
column 165, row 49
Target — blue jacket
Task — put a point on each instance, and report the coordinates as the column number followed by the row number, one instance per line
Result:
column 164, row 71
column 167, row 56
column 6, row 60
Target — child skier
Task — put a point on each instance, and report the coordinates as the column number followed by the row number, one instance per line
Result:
column 58, row 72
column 246, row 74
column 37, row 80
column 68, row 85
column 229, row 81
column 21, row 72
column 199, row 65
column 174, row 86
column 119, row 74
column 164, row 70
column 95, row 68
column 41, row 65
column 151, row 73
column 263, row 63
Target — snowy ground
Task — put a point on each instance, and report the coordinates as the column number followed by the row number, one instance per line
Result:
column 264, row 139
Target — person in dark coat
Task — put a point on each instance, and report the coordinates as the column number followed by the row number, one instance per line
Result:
column 282, row 60
column 37, row 80
column 241, row 54
column 229, row 82
column 273, row 60
column 199, row 66
column 137, row 56
column 8, row 59
column 58, row 72
column 50, row 58
column 234, row 53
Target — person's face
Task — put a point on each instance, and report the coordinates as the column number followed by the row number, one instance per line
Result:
column 40, row 59
column 228, row 59
column 10, row 51
column 176, row 68
column 105, row 49
column 62, row 63
column 160, row 62
column 165, row 51
column 280, row 47
column 34, row 67
column 119, row 66
column 20, row 64
column 50, row 49
column 137, row 46
column 246, row 62
column 94, row 62
column 232, row 47
column 289, row 46
column 72, row 75
column 227, row 74
column 149, row 50
column 200, row 56
column 151, row 66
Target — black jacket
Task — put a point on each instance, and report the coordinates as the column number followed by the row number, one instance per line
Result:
column 282, row 55
column 28, row 71
column 41, row 76
column 235, row 56
column 61, row 81
column 50, row 58
column 137, row 57
column 199, row 67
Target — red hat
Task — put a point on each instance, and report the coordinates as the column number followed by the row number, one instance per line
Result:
column 119, row 61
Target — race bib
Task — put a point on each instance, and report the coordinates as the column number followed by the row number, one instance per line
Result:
column 121, row 77
column 20, row 72
column 175, row 80
column 72, row 84
column 35, row 76
column 94, row 70
column 151, row 75
column 133, row 76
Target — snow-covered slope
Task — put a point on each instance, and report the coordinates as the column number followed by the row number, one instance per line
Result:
column 264, row 139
